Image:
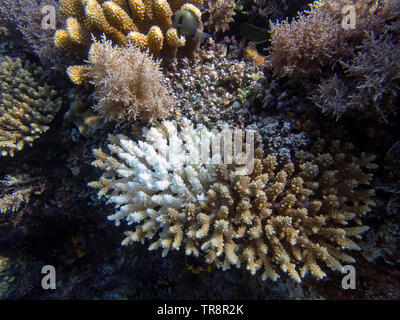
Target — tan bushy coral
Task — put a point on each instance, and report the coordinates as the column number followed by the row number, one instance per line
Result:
column 26, row 105
column 316, row 38
column 295, row 216
column 146, row 23
column 128, row 83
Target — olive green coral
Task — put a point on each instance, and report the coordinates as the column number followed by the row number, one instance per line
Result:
column 26, row 105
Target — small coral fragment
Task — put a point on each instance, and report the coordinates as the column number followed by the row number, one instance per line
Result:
column 85, row 119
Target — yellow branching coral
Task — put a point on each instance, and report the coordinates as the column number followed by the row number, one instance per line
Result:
column 128, row 83
column 153, row 40
column 294, row 217
column 118, row 17
column 26, row 106
column 145, row 23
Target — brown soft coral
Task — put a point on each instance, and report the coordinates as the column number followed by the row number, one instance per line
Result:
column 316, row 38
column 371, row 81
column 128, row 83
column 27, row 16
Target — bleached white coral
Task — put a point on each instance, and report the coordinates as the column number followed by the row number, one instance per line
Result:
column 150, row 178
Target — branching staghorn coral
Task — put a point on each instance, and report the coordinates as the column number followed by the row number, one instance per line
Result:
column 128, row 83
column 316, row 38
column 295, row 216
column 26, row 105
column 147, row 24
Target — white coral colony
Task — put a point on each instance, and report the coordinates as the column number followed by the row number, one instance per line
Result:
column 297, row 215
column 156, row 179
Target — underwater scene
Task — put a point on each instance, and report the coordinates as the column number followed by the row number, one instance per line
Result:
column 199, row 150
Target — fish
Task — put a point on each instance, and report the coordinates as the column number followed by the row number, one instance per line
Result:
column 188, row 24
column 254, row 33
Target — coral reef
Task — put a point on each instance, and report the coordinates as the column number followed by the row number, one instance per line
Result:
column 26, row 105
column 294, row 215
column 318, row 99
column 147, row 24
column 128, row 83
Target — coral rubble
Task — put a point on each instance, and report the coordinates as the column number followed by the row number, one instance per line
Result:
column 215, row 84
